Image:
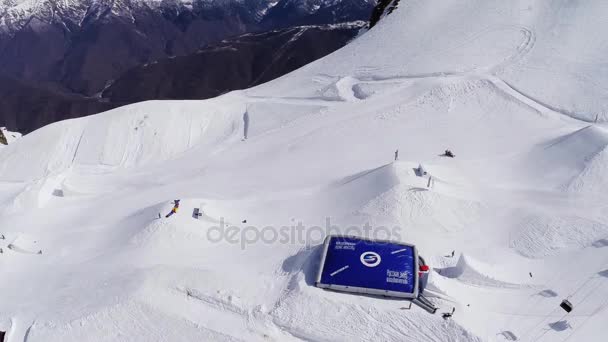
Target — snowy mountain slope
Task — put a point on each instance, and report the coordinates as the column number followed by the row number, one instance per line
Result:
column 517, row 205
column 548, row 52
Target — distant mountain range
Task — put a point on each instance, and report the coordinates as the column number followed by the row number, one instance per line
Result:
column 57, row 58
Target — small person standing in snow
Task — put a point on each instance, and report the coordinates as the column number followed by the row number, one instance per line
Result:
column 174, row 210
column 396, row 155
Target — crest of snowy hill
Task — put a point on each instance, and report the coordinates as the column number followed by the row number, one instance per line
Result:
column 512, row 225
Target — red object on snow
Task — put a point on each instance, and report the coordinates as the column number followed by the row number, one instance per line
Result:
column 424, row 268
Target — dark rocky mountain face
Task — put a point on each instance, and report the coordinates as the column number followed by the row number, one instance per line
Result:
column 58, row 56
column 84, row 47
column 25, row 106
column 383, row 8
column 237, row 63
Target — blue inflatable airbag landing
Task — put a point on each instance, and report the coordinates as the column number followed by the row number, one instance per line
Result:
column 377, row 267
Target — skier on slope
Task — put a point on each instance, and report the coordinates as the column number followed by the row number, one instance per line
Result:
column 175, row 207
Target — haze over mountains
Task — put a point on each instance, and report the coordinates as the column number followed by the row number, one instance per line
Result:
column 66, row 53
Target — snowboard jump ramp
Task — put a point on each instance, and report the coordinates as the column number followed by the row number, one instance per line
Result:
column 371, row 267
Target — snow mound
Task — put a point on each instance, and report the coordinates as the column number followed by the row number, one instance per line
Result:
column 571, row 162
column 397, row 194
column 125, row 137
column 266, row 117
column 542, row 235
column 364, row 90
column 360, row 188
column 593, row 178
column 126, row 320
column 181, row 231
column 421, row 210
column 471, row 271
column 585, row 141
column 37, row 194
column 163, row 235
column 350, row 319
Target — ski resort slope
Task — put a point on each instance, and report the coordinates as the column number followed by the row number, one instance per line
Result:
column 516, row 89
